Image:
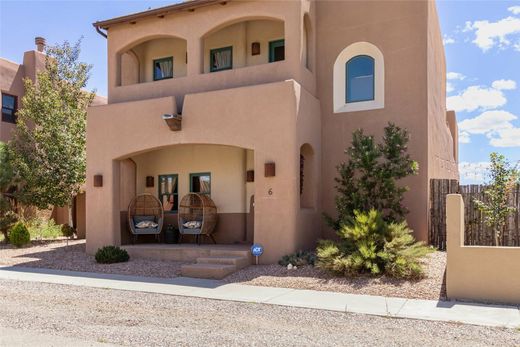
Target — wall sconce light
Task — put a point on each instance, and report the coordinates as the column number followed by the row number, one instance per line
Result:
column 255, row 48
column 98, row 180
column 270, row 170
column 149, row 182
column 250, row 175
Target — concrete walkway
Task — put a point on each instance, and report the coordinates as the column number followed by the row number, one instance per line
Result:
column 448, row 311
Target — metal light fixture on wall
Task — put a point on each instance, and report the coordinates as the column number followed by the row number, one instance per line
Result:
column 270, row 170
column 250, row 175
column 149, row 181
column 98, row 180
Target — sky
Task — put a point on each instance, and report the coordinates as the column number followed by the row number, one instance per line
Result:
column 481, row 38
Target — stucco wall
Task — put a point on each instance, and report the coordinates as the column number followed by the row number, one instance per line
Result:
column 225, row 164
column 11, row 76
column 398, row 29
column 240, row 36
column 488, row 274
column 270, row 119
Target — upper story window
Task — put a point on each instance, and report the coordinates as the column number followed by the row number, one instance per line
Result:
column 359, row 79
column 9, row 107
column 276, row 50
column 221, row 59
column 162, row 68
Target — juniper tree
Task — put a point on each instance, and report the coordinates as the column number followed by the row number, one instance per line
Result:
column 369, row 179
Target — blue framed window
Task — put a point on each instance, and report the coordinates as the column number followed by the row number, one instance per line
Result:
column 162, row 68
column 169, row 192
column 200, row 183
column 360, row 72
column 221, row 59
column 276, row 50
column 9, row 106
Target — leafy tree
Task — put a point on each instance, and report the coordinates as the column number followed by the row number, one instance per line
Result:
column 49, row 145
column 369, row 180
column 496, row 208
column 370, row 245
column 7, row 184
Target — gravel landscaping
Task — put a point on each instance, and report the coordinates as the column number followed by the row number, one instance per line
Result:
column 143, row 319
column 56, row 255
column 307, row 277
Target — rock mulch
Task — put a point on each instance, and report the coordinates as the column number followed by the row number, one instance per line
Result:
column 56, row 255
column 307, row 277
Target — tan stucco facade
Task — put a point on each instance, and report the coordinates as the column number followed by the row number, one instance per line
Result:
column 260, row 112
column 488, row 274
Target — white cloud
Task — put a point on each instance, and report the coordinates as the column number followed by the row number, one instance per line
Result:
column 514, row 9
column 504, row 84
column 488, row 122
column 475, row 98
column 447, row 40
column 496, row 125
column 464, row 137
column 506, row 138
column 475, row 172
column 490, row 34
column 455, row 76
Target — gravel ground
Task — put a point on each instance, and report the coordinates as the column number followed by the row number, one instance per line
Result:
column 55, row 255
column 431, row 287
column 143, row 319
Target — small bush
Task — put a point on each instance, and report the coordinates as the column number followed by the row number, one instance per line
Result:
column 67, row 230
column 299, row 258
column 371, row 245
column 43, row 228
column 111, row 254
column 19, row 235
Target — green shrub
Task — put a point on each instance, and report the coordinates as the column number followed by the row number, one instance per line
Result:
column 67, row 230
column 299, row 258
column 370, row 245
column 111, row 254
column 42, row 228
column 19, row 235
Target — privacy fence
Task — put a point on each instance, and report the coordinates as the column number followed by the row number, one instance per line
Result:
column 477, row 233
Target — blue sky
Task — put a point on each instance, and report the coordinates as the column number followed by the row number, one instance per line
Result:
column 482, row 41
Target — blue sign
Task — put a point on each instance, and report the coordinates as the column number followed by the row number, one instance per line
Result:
column 257, row 249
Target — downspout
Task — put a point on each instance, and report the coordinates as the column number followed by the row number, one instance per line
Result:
column 98, row 29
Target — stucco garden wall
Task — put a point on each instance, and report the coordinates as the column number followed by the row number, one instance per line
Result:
column 488, row 274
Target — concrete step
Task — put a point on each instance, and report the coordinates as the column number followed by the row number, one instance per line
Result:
column 210, row 271
column 238, row 261
column 230, row 253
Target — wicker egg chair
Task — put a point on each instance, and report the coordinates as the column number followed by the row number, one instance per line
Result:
column 197, row 216
column 142, row 208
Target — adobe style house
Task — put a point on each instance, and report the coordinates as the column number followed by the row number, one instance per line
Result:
column 254, row 103
column 12, row 89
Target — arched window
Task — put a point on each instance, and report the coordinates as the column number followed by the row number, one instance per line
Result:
column 359, row 79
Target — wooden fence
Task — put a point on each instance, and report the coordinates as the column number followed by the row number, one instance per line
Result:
column 477, row 233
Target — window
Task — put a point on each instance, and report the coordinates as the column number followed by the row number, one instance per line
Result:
column 9, row 108
column 221, row 59
column 200, row 183
column 360, row 79
column 162, row 68
column 169, row 192
column 276, row 50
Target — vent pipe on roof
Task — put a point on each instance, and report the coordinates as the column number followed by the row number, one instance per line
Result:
column 40, row 43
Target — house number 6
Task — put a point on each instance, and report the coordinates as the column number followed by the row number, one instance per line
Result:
column 270, row 191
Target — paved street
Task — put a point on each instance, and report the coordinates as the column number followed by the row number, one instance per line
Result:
column 93, row 316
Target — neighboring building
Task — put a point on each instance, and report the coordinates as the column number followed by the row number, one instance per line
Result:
column 274, row 87
column 12, row 90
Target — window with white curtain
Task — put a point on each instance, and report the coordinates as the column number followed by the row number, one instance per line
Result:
column 221, row 59
column 162, row 68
